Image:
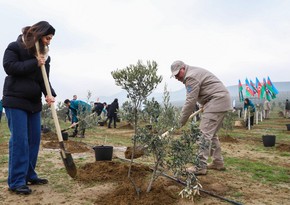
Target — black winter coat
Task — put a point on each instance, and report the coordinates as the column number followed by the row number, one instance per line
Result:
column 112, row 112
column 24, row 85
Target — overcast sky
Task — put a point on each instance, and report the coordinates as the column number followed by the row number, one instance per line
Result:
column 234, row 39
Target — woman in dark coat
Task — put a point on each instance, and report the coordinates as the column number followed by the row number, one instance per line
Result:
column 112, row 113
column 22, row 92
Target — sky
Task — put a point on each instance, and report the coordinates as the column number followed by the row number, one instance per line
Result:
column 234, row 39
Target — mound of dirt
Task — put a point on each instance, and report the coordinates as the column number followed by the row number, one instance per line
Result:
column 71, row 146
column 48, row 136
column 283, row 147
column 138, row 152
column 125, row 191
column 228, row 138
column 127, row 126
column 281, row 114
column 109, row 171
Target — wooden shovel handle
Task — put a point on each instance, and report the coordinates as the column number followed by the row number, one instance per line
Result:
column 48, row 90
column 195, row 113
column 190, row 117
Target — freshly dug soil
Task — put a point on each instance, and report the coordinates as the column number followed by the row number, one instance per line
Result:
column 71, row 146
column 139, row 152
column 283, row 147
column 125, row 188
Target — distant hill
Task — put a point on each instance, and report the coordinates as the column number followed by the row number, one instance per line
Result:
column 177, row 98
column 281, row 87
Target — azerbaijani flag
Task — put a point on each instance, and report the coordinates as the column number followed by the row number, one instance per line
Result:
column 272, row 86
column 269, row 91
column 249, row 89
column 241, row 97
column 260, row 89
column 253, row 87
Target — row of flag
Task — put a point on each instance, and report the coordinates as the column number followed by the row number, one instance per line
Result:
column 265, row 89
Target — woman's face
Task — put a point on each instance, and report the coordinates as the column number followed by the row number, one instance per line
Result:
column 46, row 39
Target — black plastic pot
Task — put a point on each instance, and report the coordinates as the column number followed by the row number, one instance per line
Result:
column 101, row 123
column 288, row 127
column 64, row 136
column 269, row 140
column 103, row 153
column 45, row 129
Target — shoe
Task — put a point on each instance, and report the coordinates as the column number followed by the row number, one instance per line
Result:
column 37, row 181
column 21, row 190
column 219, row 167
column 196, row 171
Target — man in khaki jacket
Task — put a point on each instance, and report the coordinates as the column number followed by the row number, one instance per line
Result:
column 267, row 108
column 205, row 88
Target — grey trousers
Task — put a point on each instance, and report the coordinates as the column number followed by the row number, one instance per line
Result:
column 209, row 145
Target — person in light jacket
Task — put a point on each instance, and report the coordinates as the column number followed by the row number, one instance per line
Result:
column 205, row 88
column 267, row 108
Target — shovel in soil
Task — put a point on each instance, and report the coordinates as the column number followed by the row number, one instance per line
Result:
column 65, row 155
column 66, row 129
column 140, row 150
column 75, row 124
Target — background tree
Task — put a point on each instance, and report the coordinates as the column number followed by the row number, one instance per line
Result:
column 47, row 121
column 126, row 112
column 152, row 110
column 62, row 111
column 228, row 122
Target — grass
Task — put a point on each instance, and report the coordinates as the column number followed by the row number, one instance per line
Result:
column 259, row 171
column 3, row 159
column 284, row 154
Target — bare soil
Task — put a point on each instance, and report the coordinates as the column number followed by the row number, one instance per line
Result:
column 107, row 182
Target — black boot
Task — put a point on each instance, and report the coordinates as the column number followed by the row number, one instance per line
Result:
column 21, row 190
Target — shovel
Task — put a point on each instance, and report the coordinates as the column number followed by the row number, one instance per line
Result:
column 139, row 150
column 75, row 124
column 190, row 117
column 65, row 155
column 66, row 129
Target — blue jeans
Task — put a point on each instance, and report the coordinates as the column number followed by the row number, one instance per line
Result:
column 24, row 144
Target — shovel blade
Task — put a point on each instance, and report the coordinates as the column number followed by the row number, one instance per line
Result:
column 69, row 163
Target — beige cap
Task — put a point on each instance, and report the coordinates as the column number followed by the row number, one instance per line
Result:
column 175, row 67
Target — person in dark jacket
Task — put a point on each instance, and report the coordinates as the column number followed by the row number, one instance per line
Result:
column 98, row 107
column 78, row 108
column 250, row 108
column 112, row 113
column 22, row 92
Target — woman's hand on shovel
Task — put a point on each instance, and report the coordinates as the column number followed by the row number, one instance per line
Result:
column 40, row 60
column 49, row 100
